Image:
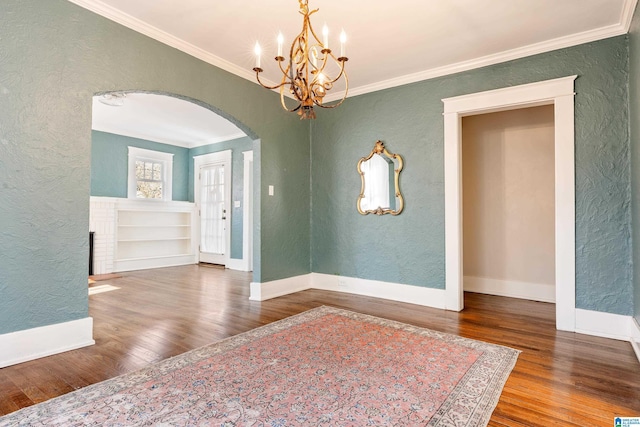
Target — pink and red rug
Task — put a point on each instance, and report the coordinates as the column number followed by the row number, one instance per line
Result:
column 323, row 367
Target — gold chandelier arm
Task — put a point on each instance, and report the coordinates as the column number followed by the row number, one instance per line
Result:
column 284, row 104
column 313, row 32
column 285, row 71
column 259, row 70
column 303, row 72
column 341, row 62
column 346, row 91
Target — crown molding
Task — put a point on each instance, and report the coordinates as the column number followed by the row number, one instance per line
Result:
column 231, row 137
column 167, row 141
column 509, row 55
column 139, row 135
column 155, row 33
column 135, row 24
column 626, row 17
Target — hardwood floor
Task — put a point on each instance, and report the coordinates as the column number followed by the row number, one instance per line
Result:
column 560, row 378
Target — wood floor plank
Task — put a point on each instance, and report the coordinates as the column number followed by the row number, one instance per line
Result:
column 560, row 379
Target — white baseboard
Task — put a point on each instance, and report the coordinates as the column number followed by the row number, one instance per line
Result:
column 278, row 288
column 30, row 344
column 606, row 325
column 237, row 264
column 428, row 297
column 392, row 291
column 511, row 288
column 149, row 263
column 587, row 322
column 635, row 337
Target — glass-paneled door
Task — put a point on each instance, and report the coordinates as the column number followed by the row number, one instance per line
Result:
column 213, row 213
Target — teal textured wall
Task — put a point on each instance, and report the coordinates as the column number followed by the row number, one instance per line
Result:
column 110, row 164
column 109, row 171
column 55, row 57
column 237, row 146
column 634, row 121
column 409, row 248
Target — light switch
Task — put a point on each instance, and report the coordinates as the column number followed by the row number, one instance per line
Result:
column 236, row 204
column 271, row 190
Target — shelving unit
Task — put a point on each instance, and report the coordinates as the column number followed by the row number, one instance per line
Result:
column 153, row 234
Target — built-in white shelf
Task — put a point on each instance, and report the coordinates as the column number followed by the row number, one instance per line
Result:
column 142, row 226
column 153, row 240
column 156, row 257
column 152, row 234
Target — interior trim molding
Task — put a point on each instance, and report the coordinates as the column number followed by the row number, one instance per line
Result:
column 427, row 297
column 262, row 291
column 166, row 159
column 635, row 337
column 237, row 264
column 626, row 17
column 511, row 288
column 606, row 325
column 224, row 158
column 247, row 210
column 556, row 92
column 588, row 322
column 22, row 346
column 155, row 33
column 142, row 27
column 498, row 58
column 136, row 135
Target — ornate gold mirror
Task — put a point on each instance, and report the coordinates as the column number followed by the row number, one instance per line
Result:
column 380, row 173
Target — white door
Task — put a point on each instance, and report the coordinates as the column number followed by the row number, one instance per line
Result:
column 213, row 199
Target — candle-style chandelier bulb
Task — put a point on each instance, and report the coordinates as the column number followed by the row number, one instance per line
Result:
column 303, row 74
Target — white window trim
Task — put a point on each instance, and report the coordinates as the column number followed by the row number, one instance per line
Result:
column 166, row 159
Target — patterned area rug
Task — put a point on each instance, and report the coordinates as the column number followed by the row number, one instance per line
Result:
column 325, row 366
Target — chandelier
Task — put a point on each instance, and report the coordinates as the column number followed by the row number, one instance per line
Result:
column 304, row 74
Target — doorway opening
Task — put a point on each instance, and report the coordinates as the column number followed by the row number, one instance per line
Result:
column 134, row 233
column 508, row 203
column 212, row 194
column 560, row 94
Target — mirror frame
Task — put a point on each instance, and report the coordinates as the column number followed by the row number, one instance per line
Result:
column 380, row 149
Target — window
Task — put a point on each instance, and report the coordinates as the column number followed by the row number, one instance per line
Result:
column 150, row 174
column 148, row 179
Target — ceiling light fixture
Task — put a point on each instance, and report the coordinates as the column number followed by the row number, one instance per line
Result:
column 305, row 74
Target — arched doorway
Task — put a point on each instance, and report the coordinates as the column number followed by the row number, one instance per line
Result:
column 148, row 119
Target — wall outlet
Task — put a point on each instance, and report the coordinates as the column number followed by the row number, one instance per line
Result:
column 342, row 282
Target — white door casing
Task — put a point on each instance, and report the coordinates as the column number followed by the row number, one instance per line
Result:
column 204, row 163
column 560, row 94
column 247, row 212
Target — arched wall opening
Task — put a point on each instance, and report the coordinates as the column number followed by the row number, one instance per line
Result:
column 191, row 132
column 70, row 54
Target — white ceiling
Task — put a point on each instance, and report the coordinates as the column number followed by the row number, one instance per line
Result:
column 163, row 119
column 389, row 42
